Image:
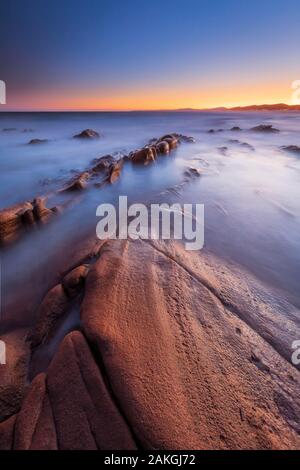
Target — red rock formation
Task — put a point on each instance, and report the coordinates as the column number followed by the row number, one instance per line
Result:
column 174, row 354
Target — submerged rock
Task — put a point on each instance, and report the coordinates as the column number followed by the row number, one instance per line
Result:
column 79, row 183
column 102, row 163
column 143, row 156
column 87, row 134
column 115, row 171
column 37, row 141
column 264, row 128
column 215, row 349
column 223, row 150
column 171, row 139
column 185, row 138
column 291, row 148
column 192, row 172
column 20, row 216
column 163, row 147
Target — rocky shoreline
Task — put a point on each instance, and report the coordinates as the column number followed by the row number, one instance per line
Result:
column 141, row 345
column 172, row 352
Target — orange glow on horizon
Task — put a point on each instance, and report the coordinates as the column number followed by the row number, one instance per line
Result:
column 155, row 99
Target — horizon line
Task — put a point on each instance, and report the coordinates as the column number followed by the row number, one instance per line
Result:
column 284, row 106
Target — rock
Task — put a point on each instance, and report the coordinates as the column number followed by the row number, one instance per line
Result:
column 264, row 128
column 192, row 172
column 247, row 146
column 40, row 211
column 27, row 216
column 291, row 148
column 27, row 423
column 37, row 141
column 185, row 138
column 87, row 134
column 53, row 307
column 211, row 131
column 115, row 171
column 11, row 220
column 186, row 324
column 79, row 183
column 7, row 433
column 236, row 128
column 71, row 408
column 16, row 218
column 102, row 163
column 73, row 282
column 223, row 150
column 89, row 418
column 171, row 139
column 163, row 147
column 143, row 156
column 13, row 374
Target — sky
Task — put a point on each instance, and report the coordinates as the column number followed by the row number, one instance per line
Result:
column 147, row 54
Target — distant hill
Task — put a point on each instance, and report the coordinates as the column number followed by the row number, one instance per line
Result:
column 268, row 107
column 254, row 107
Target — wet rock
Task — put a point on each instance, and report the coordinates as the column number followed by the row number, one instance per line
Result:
column 171, row 139
column 291, row 148
column 27, row 216
column 87, row 134
column 143, row 156
column 40, row 211
column 264, row 128
column 16, row 218
column 186, row 326
column 192, row 172
column 242, row 144
column 185, row 138
column 11, row 220
column 115, row 171
column 223, row 150
column 73, row 282
column 37, row 141
column 235, row 128
column 163, row 147
column 7, row 433
column 247, row 146
column 13, row 374
column 79, row 183
column 211, row 131
column 102, row 163
column 54, row 305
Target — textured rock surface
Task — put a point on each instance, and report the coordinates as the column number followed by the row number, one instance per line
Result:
column 87, row 134
column 177, row 352
column 13, row 374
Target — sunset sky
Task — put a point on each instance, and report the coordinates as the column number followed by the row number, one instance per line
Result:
column 147, row 54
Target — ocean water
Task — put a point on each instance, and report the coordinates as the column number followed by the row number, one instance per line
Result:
column 250, row 186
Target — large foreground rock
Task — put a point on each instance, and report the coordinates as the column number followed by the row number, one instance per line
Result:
column 176, row 352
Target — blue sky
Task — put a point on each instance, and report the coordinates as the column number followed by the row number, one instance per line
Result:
column 131, row 54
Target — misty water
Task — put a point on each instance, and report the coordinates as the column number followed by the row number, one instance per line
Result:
column 248, row 184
